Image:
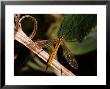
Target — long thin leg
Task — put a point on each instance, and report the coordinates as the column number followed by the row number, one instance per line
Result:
column 46, row 68
column 61, row 71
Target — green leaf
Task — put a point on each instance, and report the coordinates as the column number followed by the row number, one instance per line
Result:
column 87, row 45
column 77, row 26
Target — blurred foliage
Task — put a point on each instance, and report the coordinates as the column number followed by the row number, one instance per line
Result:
column 79, row 32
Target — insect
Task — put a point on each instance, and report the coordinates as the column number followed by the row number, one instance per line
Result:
column 67, row 54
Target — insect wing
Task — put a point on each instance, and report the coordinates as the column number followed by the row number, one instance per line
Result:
column 45, row 43
column 70, row 57
column 72, row 61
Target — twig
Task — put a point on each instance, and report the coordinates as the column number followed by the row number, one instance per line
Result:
column 21, row 37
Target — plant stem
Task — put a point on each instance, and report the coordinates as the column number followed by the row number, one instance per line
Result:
column 21, row 37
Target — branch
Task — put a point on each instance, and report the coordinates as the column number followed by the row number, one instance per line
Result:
column 21, row 37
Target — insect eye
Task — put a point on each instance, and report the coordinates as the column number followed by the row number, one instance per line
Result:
column 61, row 36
